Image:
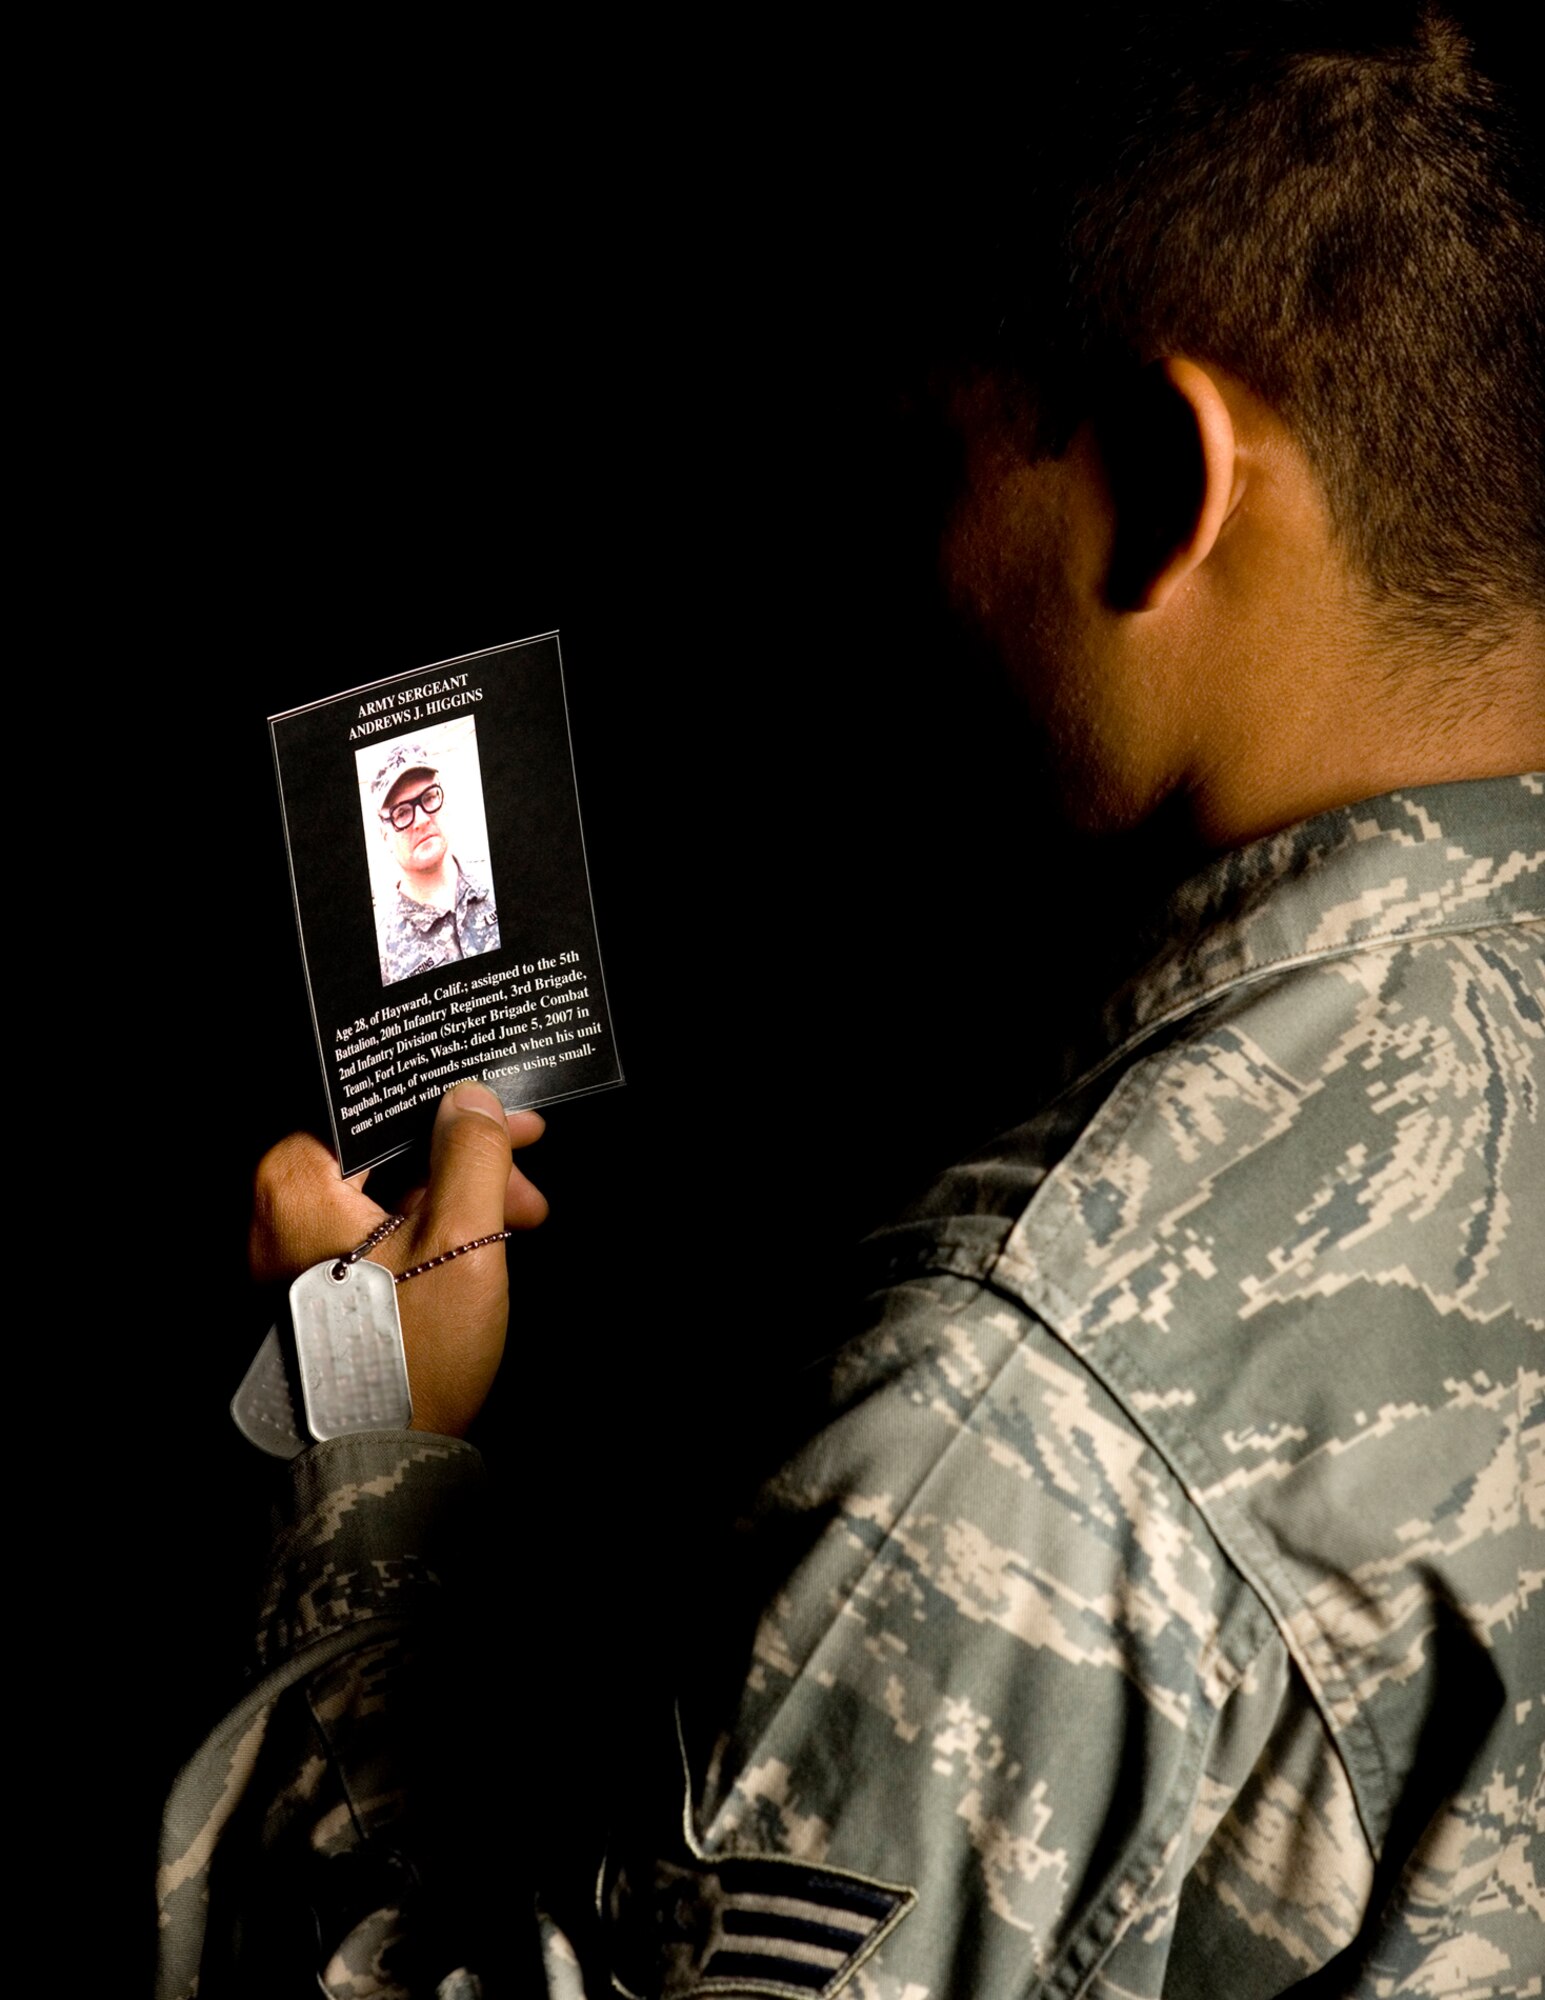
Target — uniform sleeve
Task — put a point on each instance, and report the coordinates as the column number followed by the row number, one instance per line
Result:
column 317, row 1837
column 1000, row 1719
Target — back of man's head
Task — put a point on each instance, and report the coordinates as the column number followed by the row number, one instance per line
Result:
column 1341, row 205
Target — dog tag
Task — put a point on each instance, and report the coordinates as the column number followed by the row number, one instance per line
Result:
column 263, row 1409
column 348, row 1349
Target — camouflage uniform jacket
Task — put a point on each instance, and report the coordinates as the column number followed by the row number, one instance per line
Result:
column 319, row 1840
column 1158, row 1604
column 418, row 937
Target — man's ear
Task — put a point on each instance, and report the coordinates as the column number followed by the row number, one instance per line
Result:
column 1167, row 441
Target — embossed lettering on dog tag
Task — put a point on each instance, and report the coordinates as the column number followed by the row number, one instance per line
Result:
column 348, row 1347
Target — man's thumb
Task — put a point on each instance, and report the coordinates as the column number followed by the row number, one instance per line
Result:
column 469, row 1163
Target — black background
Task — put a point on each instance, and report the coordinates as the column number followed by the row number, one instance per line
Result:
column 350, row 350
column 535, row 858
column 432, row 352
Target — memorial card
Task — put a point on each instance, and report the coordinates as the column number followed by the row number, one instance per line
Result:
column 442, row 895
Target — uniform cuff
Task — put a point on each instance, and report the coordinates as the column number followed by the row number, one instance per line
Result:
column 369, row 1526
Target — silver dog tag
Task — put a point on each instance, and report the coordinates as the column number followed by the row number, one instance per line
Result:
column 348, row 1349
column 263, row 1408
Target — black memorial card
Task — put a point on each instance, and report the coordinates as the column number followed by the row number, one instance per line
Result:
column 442, row 895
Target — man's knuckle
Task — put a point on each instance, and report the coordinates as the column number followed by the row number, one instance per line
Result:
column 481, row 1138
column 284, row 1186
column 275, row 1173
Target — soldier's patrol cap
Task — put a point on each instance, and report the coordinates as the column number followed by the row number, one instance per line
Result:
column 400, row 759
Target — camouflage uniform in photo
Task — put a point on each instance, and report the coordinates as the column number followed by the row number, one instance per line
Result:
column 1157, row 1606
column 416, row 937
column 419, row 938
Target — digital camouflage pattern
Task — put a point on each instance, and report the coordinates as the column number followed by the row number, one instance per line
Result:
column 400, row 762
column 418, row 938
column 1158, row 1604
column 1160, row 1598
column 316, row 1842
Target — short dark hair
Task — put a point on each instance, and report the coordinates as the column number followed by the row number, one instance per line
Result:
column 1340, row 205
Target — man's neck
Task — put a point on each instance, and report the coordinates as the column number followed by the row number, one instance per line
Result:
column 436, row 890
column 1358, row 729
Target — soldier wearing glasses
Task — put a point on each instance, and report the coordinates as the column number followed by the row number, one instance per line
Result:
column 440, row 912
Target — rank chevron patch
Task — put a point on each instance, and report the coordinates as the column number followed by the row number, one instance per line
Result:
column 751, row 1924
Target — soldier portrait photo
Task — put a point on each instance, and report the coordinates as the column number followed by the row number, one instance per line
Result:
column 427, row 839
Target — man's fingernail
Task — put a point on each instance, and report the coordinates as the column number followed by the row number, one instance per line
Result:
column 470, row 1096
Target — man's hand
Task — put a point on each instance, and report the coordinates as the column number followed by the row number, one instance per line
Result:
column 453, row 1319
